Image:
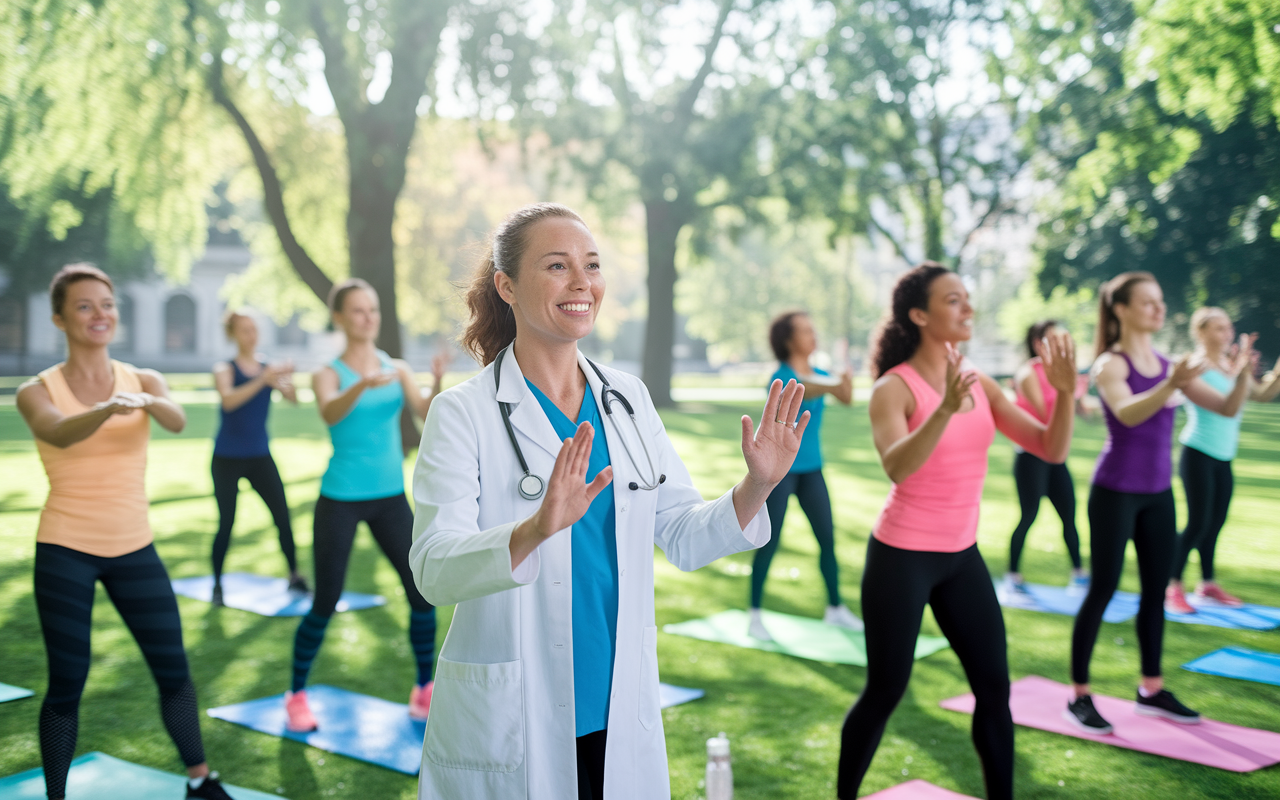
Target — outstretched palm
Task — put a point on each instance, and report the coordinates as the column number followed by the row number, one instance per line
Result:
column 771, row 449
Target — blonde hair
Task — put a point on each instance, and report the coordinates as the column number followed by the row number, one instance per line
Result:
column 1201, row 316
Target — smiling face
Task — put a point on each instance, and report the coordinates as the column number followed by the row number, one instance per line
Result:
column 559, row 284
column 1144, row 313
column 949, row 317
column 89, row 314
column 1217, row 333
column 359, row 317
column 804, row 339
column 244, row 332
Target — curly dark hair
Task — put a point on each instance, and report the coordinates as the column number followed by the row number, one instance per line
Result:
column 1036, row 332
column 780, row 331
column 897, row 337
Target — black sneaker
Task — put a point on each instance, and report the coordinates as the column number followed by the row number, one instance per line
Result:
column 217, row 595
column 1164, row 704
column 210, row 789
column 297, row 583
column 1081, row 713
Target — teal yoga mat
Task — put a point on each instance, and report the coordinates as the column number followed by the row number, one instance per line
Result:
column 98, row 776
column 795, row 636
column 8, row 693
column 1237, row 662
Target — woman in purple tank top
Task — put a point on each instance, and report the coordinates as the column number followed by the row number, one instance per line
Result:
column 1132, row 496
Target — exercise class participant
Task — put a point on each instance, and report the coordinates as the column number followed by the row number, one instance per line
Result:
column 933, row 420
column 91, row 418
column 360, row 395
column 1036, row 478
column 241, row 449
column 1132, row 496
column 793, row 340
column 1209, row 444
column 548, row 680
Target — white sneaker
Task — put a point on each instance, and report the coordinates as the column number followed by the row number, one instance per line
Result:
column 756, row 628
column 1013, row 592
column 841, row 617
column 1079, row 584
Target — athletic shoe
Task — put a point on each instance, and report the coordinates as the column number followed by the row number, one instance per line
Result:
column 217, row 595
column 841, row 617
column 301, row 720
column 1078, row 586
column 1164, row 704
column 209, row 789
column 1175, row 600
column 297, row 583
column 1013, row 592
column 1081, row 713
column 420, row 701
column 1212, row 594
column 756, row 628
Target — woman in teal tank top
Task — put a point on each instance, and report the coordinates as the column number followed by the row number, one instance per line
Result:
column 360, row 396
column 1209, row 446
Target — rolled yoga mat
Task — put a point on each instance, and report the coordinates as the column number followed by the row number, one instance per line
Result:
column 269, row 597
column 795, row 636
column 1237, row 662
column 97, row 776
column 1039, row 703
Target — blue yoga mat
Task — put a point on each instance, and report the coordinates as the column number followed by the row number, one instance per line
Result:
column 8, row 693
column 676, row 695
column 1055, row 600
column 1249, row 616
column 269, row 597
column 1237, row 662
column 98, row 776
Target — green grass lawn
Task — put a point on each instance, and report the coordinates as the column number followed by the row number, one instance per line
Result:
column 783, row 715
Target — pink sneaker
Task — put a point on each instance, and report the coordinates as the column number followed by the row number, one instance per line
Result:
column 1213, row 592
column 301, row 720
column 1175, row 601
column 420, row 701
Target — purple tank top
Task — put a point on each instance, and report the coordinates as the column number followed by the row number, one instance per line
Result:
column 1138, row 460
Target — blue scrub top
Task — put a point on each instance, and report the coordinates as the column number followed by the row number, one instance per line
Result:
column 595, row 576
column 809, row 457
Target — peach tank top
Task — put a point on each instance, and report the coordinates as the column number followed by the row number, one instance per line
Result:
column 936, row 508
column 97, row 487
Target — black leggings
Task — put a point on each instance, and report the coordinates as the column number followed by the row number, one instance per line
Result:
column 139, row 587
column 896, row 584
column 1114, row 519
column 263, row 476
column 1208, row 483
column 810, row 488
column 1037, row 478
column 591, row 765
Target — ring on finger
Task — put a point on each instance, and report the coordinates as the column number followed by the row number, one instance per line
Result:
column 780, row 422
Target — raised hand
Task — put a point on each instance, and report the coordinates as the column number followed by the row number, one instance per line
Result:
column 380, row 377
column 1058, row 355
column 771, row 449
column 959, row 384
column 1244, row 355
column 440, row 363
column 1185, row 371
column 844, row 391
column 568, row 494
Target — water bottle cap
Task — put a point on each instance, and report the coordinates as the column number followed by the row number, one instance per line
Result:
column 718, row 746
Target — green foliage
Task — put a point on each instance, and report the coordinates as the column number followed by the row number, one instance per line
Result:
column 1077, row 311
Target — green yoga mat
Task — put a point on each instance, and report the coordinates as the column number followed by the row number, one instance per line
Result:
column 795, row 636
column 98, row 776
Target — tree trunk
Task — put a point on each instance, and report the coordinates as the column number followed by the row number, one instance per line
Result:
column 371, row 246
column 662, row 226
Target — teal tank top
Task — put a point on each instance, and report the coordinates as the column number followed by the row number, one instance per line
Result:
column 1212, row 434
column 367, row 461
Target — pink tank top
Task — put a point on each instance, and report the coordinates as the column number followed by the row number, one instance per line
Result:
column 936, row 507
column 1047, row 391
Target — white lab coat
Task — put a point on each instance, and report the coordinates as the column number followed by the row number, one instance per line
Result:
column 502, row 712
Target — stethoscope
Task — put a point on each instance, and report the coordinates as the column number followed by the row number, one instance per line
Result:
column 532, row 487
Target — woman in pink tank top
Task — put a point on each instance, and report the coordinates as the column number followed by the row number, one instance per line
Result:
column 933, row 418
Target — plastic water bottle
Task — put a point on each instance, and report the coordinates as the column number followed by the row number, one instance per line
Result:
column 719, row 771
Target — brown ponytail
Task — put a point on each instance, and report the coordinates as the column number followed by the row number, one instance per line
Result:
column 897, row 337
column 492, row 326
column 1116, row 290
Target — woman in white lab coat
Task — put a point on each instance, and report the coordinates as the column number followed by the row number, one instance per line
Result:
column 541, row 530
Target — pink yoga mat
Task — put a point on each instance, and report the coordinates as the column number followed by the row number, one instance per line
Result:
column 917, row 790
column 1039, row 702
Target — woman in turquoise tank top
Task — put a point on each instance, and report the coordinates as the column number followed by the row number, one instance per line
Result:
column 360, row 396
column 1209, row 445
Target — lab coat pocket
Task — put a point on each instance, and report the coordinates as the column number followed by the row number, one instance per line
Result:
column 477, row 716
column 649, row 711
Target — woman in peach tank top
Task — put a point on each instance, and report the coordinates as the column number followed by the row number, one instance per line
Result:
column 933, row 430
column 91, row 418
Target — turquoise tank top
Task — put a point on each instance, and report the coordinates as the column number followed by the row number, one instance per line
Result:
column 1212, row 434
column 367, row 461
